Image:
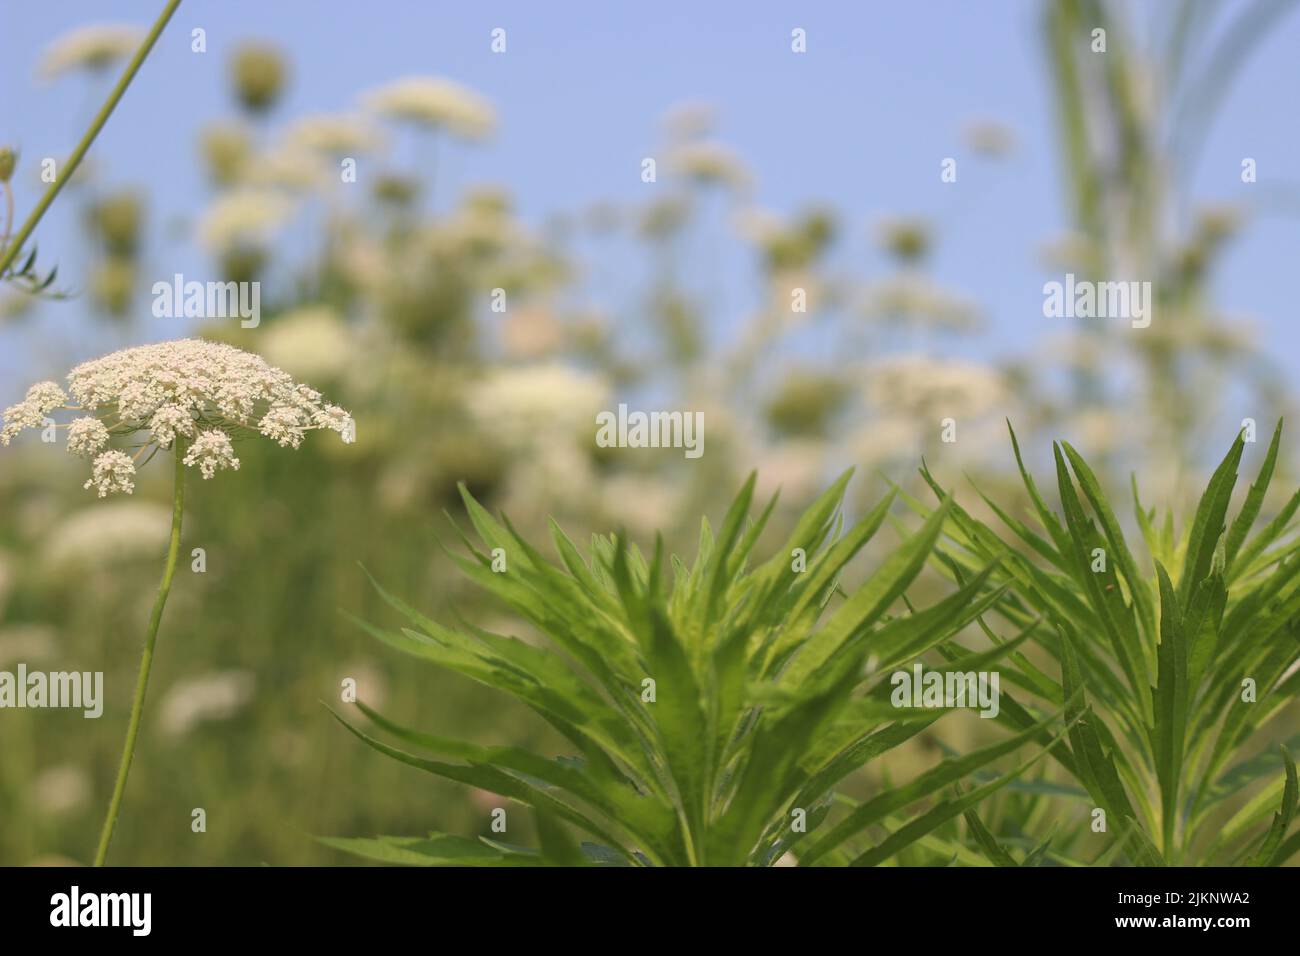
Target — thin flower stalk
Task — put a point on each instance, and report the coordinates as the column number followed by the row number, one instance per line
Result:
column 193, row 398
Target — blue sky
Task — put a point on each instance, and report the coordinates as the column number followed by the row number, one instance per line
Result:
column 860, row 122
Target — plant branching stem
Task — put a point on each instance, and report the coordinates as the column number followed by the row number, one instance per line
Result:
column 146, row 661
column 10, row 252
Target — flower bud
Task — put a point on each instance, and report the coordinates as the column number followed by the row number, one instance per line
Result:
column 116, row 220
column 258, row 73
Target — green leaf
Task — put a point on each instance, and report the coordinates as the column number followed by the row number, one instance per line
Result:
column 870, row 601
column 994, row 851
column 1114, row 538
column 1254, row 499
column 1208, row 525
column 1171, row 698
column 937, row 815
column 438, row 849
column 945, row 774
column 1268, row 852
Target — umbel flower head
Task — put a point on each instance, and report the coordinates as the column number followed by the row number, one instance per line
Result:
column 93, row 48
column 203, row 394
column 436, row 103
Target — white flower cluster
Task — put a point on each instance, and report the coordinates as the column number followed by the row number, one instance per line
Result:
column 537, row 405
column 334, row 134
column 711, row 164
column 107, row 536
column 212, row 450
column 91, row 48
column 918, row 386
column 112, row 471
column 200, row 392
column 41, row 399
column 249, row 215
column 434, row 102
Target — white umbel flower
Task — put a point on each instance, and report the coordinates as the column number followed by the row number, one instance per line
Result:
column 431, row 101
column 334, row 134
column 210, row 451
column 312, row 341
column 190, row 390
column 332, row 418
column 87, row 437
column 168, row 422
column 91, row 48
column 113, row 471
column 711, row 164
column 41, row 399
column 920, row 387
column 108, row 535
column 218, row 695
column 246, row 216
column 284, row 425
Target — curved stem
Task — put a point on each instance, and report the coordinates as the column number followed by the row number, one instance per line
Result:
column 10, row 252
column 146, row 661
column 9, row 215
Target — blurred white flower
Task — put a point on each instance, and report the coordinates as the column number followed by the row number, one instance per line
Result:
column 311, row 341
column 930, row 388
column 59, row 789
column 913, row 300
column 243, row 216
column 797, row 467
column 884, row 439
column 710, row 164
column 435, row 102
column 217, row 695
column 643, row 503
column 537, row 404
column 91, row 47
column 334, row 134
column 287, row 166
column 106, row 535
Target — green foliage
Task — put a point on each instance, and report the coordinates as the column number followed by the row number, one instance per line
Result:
column 28, row 278
column 1171, row 680
column 714, row 707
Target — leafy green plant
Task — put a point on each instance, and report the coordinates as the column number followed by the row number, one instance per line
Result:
column 1180, row 672
column 714, row 707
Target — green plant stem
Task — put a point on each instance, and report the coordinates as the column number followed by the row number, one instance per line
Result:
column 146, row 661
column 9, row 215
column 11, row 251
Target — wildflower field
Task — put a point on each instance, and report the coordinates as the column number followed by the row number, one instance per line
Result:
column 480, row 449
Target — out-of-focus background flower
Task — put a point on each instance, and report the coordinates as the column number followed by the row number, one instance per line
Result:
column 499, row 270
